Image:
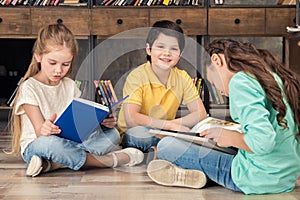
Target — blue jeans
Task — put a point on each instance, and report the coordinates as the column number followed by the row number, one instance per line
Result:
column 216, row 165
column 140, row 138
column 72, row 154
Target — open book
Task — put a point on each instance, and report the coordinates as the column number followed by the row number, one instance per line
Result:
column 193, row 135
column 81, row 117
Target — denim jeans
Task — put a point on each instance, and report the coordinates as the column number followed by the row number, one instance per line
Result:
column 216, row 165
column 72, row 154
column 140, row 138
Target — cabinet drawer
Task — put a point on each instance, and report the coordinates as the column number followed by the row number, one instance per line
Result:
column 236, row 21
column 278, row 19
column 192, row 21
column 77, row 20
column 110, row 21
column 15, row 21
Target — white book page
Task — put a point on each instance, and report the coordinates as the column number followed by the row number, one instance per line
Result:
column 211, row 122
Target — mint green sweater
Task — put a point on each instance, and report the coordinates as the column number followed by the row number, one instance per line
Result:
column 274, row 164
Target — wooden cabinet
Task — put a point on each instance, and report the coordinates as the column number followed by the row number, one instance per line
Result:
column 25, row 22
column 278, row 19
column 76, row 19
column 192, row 21
column 103, row 22
column 108, row 21
column 15, row 21
column 236, row 21
column 292, row 46
column 111, row 21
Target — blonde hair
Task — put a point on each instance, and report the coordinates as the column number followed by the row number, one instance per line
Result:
column 53, row 35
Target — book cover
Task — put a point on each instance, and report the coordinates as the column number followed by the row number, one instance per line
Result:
column 98, row 94
column 109, row 91
column 193, row 135
column 81, row 117
column 102, row 84
column 112, row 91
column 103, row 94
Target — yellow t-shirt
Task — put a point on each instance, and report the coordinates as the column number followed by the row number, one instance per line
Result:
column 157, row 100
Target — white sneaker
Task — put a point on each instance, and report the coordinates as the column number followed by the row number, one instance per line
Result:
column 167, row 174
column 35, row 166
column 135, row 156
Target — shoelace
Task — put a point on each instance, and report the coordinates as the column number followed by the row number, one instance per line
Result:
column 180, row 176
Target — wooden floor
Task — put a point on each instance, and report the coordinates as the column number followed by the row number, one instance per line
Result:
column 123, row 183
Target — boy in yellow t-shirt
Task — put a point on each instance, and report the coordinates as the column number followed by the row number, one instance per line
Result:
column 156, row 89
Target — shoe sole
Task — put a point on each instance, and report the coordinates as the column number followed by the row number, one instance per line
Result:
column 34, row 167
column 168, row 174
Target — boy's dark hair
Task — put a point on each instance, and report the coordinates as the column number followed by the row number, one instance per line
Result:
column 168, row 28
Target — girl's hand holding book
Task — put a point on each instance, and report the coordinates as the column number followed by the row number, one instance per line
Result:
column 49, row 128
column 110, row 121
column 219, row 135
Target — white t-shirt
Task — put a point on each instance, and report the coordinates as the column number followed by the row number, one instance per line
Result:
column 50, row 100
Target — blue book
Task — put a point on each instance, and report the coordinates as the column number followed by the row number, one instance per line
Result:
column 81, row 117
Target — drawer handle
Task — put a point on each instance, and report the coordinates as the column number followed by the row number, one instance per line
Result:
column 59, row 21
column 237, row 21
column 178, row 21
column 294, row 20
column 1, row 20
column 119, row 21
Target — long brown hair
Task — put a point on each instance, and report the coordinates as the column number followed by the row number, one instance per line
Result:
column 260, row 63
column 53, row 35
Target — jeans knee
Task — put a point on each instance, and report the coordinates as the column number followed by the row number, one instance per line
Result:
column 46, row 142
column 114, row 136
column 135, row 135
column 43, row 146
column 164, row 146
column 138, row 132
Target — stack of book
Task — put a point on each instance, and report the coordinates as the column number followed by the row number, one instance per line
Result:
column 105, row 93
column 30, row 2
column 147, row 2
column 43, row 2
column 198, row 84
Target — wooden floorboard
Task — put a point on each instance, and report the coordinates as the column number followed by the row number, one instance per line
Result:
column 122, row 183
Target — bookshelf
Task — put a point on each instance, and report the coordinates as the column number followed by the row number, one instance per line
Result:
column 93, row 24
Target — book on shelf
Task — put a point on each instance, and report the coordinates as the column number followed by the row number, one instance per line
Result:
column 193, row 135
column 81, row 117
column 105, row 93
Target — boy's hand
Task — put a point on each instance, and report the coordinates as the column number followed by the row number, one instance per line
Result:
column 171, row 125
column 48, row 128
column 110, row 121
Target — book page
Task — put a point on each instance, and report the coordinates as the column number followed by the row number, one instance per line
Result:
column 211, row 122
column 191, row 138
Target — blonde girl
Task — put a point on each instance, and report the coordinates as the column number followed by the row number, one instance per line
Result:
column 45, row 91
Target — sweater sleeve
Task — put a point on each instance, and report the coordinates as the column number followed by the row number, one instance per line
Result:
column 250, row 107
